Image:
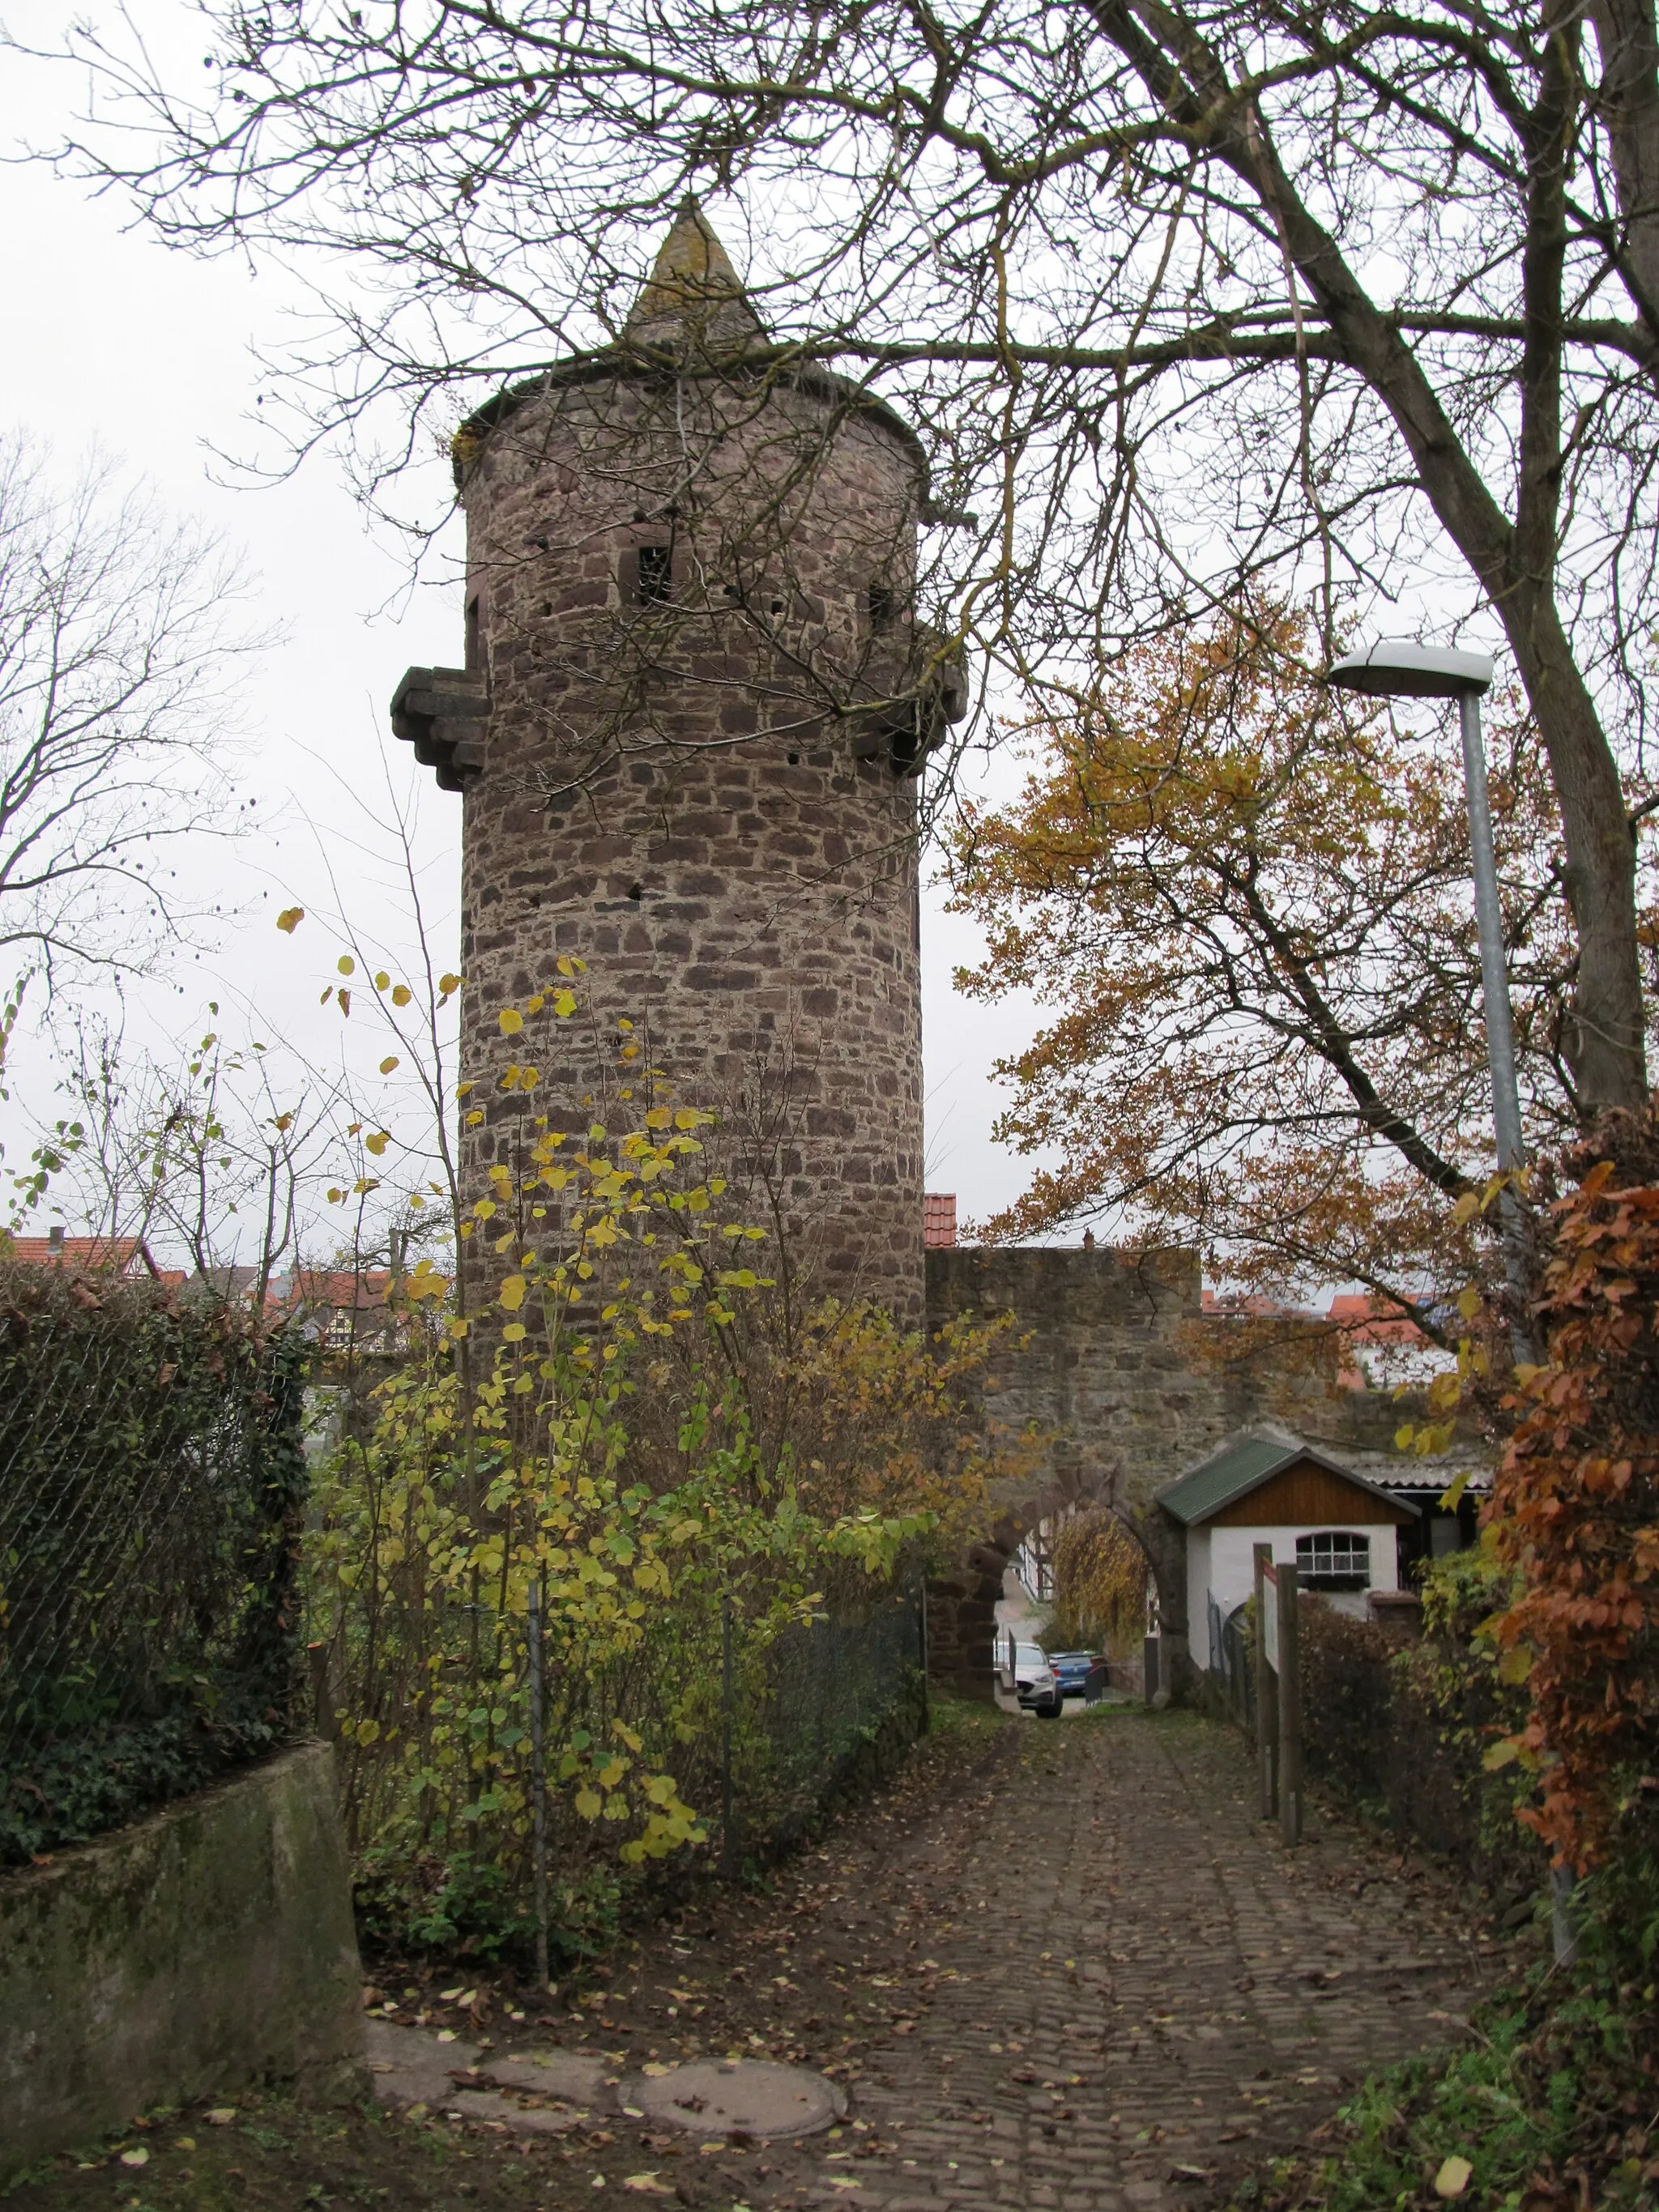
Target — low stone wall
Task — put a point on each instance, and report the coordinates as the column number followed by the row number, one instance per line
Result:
column 205, row 1948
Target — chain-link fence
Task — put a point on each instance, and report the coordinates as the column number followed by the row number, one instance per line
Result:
column 835, row 1696
column 764, row 1727
column 151, row 1480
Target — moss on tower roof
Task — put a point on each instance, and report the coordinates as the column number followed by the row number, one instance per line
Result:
column 693, row 291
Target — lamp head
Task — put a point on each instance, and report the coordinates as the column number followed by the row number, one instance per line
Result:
column 1394, row 668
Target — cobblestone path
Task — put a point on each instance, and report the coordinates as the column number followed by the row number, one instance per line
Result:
column 1108, row 1984
column 1059, row 1967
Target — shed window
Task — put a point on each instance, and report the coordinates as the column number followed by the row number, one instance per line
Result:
column 655, row 574
column 1334, row 1559
column 883, row 606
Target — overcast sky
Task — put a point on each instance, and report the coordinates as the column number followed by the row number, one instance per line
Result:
column 117, row 342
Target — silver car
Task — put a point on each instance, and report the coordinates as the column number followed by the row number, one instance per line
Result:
column 1023, row 1669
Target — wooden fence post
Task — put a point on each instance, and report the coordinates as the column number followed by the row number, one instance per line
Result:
column 1267, row 1694
column 1290, row 1707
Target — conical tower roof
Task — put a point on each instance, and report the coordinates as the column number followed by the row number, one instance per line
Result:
column 693, row 297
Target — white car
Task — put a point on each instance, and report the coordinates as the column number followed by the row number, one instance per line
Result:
column 1023, row 1669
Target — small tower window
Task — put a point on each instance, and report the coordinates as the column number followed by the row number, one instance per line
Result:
column 884, row 606
column 474, row 637
column 654, row 575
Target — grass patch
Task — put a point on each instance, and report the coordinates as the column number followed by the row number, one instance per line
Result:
column 953, row 1719
column 1553, row 2104
column 274, row 2155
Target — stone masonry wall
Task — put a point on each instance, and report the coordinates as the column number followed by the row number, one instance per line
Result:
column 671, row 791
column 1114, row 1354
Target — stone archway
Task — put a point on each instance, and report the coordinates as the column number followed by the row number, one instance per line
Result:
column 962, row 1607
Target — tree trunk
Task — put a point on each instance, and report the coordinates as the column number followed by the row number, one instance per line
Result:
column 1628, row 103
column 1187, row 81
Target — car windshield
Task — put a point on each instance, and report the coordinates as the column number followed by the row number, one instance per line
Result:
column 1027, row 1655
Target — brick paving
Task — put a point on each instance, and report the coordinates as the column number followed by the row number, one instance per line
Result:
column 1123, row 1988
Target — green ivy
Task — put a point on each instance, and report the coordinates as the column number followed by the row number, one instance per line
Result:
column 151, row 1483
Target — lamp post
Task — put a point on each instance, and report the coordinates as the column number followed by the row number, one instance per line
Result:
column 1394, row 668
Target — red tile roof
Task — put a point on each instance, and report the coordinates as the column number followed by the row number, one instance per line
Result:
column 1367, row 1320
column 121, row 1255
column 939, row 1219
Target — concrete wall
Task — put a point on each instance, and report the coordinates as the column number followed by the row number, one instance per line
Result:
column 209, row 1947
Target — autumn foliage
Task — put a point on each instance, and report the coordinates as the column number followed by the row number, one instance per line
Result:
column 1575, row 1507
column 1100, row 1582
column 1242, row 902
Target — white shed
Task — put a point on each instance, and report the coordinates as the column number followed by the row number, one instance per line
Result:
column 1338, row 1529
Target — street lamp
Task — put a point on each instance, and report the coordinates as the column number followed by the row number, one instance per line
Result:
column 1394, row 668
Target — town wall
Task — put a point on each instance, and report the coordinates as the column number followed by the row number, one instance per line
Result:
column 1114, row 1357
column 209, row 1947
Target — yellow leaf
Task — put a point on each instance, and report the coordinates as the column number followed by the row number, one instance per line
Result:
column 1469, row 1303
column 389, row 1063
column 458, row 1329
column 401, row 994
column 378, row 1142
column 381, row 979
column 290, row 920
column 140, row 2157
column 346, row 964
column 512, row 1293
column 450, row 984
column 564, row 1005
column 1453, row 2177
column 511, row 1019
column 589, row 1804
column 1503, row 1753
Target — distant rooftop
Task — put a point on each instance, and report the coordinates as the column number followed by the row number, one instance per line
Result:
column 939, row 1221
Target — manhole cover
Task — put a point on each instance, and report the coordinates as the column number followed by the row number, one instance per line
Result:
column 747, row 2097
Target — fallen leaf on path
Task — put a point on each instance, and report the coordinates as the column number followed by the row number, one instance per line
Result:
column 139, row 2157
column 648, row 2184
column 1453, row 2177
column 221, row 2116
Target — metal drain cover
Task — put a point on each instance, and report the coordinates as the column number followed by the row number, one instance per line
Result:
column 746, row 2096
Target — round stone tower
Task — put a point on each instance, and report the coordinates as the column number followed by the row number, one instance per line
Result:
column 694, row 703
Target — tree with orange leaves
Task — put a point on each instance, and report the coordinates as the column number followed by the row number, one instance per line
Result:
column 1575, row 1509
column 1244, row 903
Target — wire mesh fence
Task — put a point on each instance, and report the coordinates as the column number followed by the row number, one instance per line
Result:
column 151, row 1482
column 476, row 1833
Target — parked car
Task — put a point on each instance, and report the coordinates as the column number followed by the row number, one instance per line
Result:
column 1072, row 1670
column 1024, row 1670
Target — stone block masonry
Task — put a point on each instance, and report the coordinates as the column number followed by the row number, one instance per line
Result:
column 693, row 697
column 189, row 1954
column 1113, row 1356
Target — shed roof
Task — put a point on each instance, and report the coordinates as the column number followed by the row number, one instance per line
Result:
column 1243, row 1465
